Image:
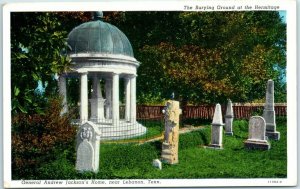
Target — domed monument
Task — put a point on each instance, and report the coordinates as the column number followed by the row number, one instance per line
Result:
column 101, row 52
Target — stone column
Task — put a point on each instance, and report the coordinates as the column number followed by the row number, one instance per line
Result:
column 127, row 98
column 115, row 100
column 133, row 99
column 269, row 112
column 171, row 138
column 83, row 97
column 217, row 129
column 229, row 119
column 62, row 85
column 108, row 89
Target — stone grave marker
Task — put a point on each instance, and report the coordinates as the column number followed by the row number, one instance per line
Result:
column 257, row 138
column 229, row 119
column 171, row 136
column 157, row 163
column 88, row 147
column 269, row 113
column 217, row 129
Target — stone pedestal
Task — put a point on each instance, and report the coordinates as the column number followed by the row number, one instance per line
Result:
column 97, row 109
column 229, row 119
column 171, row 137
column 257, row 138
column 88, row 148
column 217, row 129
column 269, row 113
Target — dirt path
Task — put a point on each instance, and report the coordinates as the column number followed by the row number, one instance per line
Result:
column 186, row 129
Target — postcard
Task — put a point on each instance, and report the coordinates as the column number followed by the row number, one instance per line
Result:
column 149, row 94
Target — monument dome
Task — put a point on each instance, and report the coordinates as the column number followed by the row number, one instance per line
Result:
column 99, row 37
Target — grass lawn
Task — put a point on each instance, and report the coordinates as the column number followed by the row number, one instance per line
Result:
column 120, row 161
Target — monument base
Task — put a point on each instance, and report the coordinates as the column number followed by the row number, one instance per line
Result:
column 257, row 144
column 166, row 155
column 273, row 135
column 215, row 146
column 229, row 133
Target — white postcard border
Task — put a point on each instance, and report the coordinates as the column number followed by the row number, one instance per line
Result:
column 131, row 5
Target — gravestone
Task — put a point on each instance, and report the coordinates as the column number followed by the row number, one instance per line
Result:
column 171, row 136
column 88, row 147
column 257, row 138
column 229, row 119
column 269, row 113
column 157, row 163
column 217, row 129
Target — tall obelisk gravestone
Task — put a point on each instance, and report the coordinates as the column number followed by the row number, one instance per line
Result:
column 229, row 119
column 217, row 129
column 269, row 113
column 169, row 152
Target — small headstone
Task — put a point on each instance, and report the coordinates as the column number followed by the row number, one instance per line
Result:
column 229, row 119
column 88, row 148
column 217, row 129
column 171, row 137
column 257, row 138
column 269, row 113
column 157, row 163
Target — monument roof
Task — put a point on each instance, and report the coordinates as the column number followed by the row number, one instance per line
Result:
column 99, row 37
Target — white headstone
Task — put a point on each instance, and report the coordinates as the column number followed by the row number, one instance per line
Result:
column 257, row 138
column 257, row 128
column 217, row 129
column 157, row 163
column 88, row 147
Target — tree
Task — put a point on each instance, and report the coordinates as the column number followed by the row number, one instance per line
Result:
column 207, row 57
column 204, row 57
column 37, row 43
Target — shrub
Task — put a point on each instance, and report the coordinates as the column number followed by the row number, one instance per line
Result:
column 194, row 139
column 35, row 137
column 60, row 168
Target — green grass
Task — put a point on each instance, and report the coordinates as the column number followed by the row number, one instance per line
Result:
column 134, row 161
column 154, row 129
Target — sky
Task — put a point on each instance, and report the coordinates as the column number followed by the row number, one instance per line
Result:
column 283, row 15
